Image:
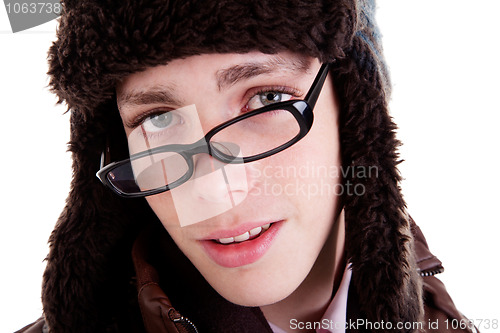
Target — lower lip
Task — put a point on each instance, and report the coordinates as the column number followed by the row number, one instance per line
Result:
column 244, row 253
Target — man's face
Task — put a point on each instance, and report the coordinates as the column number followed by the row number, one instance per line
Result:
column 260, row 249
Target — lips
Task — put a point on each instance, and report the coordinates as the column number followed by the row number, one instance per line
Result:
column 241, row 247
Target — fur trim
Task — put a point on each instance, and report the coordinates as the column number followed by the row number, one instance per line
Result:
column 101, row 42
column 379, row 244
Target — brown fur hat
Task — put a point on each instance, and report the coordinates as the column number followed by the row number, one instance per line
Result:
column 101, row 42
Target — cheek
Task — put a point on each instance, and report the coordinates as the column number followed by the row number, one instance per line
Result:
column 310, row 170
column 163, row 206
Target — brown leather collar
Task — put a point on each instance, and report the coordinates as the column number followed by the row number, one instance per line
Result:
column 158, row 314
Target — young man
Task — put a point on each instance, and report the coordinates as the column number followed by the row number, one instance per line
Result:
column 258, row 134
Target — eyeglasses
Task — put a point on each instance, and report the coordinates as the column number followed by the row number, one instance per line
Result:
column 167, row 160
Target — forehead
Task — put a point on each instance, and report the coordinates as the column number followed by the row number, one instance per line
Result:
column 221, row 70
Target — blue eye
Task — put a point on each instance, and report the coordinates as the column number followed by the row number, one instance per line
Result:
column 270, row 98
column 159, row 122
column 267, row 98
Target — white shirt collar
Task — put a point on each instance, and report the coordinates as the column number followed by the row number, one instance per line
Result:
column 334, row 319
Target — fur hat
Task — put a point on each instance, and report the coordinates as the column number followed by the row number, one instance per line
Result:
column 101, row 42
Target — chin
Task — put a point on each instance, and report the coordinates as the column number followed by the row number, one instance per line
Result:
column 257, row 287
column 256, row 297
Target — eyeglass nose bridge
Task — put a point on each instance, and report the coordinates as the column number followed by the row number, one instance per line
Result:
column 203, row 146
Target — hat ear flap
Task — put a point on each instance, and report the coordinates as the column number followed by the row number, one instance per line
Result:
column 377, row 227
column 88, row 269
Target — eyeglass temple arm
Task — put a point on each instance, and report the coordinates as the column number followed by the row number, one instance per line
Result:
column 105, row 156
column 313, row 94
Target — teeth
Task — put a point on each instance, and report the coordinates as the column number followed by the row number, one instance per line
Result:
column 244, row 236
column 226, row 240
column 255, row 231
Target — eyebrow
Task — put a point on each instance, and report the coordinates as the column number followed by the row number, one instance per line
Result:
column 155, row 95
column 229, row 76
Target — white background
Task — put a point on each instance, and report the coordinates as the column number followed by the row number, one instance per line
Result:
column 444, row 60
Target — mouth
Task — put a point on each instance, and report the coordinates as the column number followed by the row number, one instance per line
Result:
column 247, row 235
column 243, row 247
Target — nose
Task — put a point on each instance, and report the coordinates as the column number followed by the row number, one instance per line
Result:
column 214, row 188
column 219, row 183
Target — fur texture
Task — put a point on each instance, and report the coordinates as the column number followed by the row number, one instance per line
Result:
column 101, row 42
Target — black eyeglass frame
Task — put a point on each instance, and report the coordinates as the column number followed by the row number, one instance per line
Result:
column 302, row 110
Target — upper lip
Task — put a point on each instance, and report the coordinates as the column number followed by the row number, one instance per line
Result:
column 240, row 229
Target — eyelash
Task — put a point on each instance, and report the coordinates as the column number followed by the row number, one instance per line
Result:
column 140, row 119
column 296, row 93
column 279, row 89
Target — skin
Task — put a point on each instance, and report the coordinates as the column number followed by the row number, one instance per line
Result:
column 297, row 275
